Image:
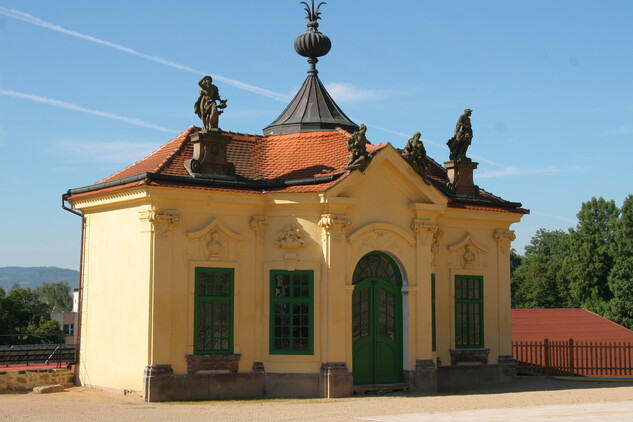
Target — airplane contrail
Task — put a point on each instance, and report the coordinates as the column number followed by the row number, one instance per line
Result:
column 75, row 107
column 25, row 17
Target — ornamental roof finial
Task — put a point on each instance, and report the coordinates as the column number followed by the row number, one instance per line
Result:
column 312, row 43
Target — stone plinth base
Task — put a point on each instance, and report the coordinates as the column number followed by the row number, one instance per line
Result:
column 452, row 379
column 336, row 380
column 423, row 380
column 209, row 155
column 161, row 384
column 460, row 176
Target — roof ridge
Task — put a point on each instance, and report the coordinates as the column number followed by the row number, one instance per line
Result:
column 153, row 153
column 176, row 150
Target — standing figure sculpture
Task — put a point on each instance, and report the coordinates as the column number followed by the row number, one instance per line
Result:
column 459, row 143
column 415, row 154
column 357, row 147
column 209, row 105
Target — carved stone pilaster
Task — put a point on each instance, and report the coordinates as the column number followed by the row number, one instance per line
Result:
column 504, row 238
column 423, row 229
column 437, row 238
column 334, row 225
column 162, row 222
column 258, row 225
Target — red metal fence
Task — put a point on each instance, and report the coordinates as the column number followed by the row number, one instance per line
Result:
column 573, row 358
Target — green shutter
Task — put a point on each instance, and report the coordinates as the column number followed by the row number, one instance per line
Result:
column 291, row 312
column 469, row 312
column 213, row 311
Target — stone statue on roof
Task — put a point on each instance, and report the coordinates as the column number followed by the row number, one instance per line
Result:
column 209, row 105
column 415, row 154
column 357, row 147
column 459, row 143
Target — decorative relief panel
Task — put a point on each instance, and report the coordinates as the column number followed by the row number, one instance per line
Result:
column 291, row 237
column 335, row 225
column 467, row 253
column 504, row 238
column 162, row 221
column 381, row 241
column 214, row 242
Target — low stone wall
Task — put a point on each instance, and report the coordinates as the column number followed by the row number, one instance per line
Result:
column 30, row 378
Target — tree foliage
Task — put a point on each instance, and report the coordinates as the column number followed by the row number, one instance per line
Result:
column 538, row 281
column 56, row 295
column 621, row 276
column 591, row 255
column 25, row 319
column 589, row 267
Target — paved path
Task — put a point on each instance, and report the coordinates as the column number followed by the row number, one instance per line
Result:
column 603, row 412
column 529, row 399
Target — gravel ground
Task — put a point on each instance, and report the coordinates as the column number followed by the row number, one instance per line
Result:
column 85, row 404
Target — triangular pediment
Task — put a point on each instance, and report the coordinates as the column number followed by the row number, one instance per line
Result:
column 389, row 171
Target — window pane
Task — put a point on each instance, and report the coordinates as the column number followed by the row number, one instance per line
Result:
column 282, row 285
column 205, row 284
column 291, row 306
column 214, row 308
column 222, row 284
column 468, row 311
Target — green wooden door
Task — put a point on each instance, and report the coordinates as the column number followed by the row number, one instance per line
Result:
column 377, row 327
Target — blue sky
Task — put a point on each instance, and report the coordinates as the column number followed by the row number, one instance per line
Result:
column 88, row 87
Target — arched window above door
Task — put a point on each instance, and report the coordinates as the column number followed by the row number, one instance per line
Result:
column 377, row 264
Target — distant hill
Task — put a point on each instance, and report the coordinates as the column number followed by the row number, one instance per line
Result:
column 32, row 277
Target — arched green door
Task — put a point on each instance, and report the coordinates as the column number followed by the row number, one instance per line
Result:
column 377, row 321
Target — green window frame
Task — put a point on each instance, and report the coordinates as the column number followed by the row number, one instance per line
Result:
column 469, row 312
column 433, row 312
column 213, row 311
column 291, row 312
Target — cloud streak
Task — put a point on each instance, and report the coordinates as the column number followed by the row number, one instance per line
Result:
column 514, row 171
column 350, row 93
column 617, row 132
column 75, row 107
column 555, row 216
column 25, row 17
column 108, row 152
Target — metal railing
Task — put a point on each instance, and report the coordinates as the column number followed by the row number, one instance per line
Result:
column 26, row 354
column 573, row 358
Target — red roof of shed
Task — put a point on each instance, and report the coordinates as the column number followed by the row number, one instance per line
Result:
column 563, row 324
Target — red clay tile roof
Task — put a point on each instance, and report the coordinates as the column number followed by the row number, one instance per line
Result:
column 272, row 160
column 563, row 324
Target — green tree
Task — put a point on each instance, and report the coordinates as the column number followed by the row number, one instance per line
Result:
column 56, row 295
column 620, row 278
column 591, row 253
column 24, row 319
column 539, row 281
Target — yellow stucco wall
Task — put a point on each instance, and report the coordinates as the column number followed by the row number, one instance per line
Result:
column 115, row 298
column 142, row 249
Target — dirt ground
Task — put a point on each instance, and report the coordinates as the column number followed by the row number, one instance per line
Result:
column 86, row 404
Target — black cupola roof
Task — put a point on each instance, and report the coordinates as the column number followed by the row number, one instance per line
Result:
column 312, row 109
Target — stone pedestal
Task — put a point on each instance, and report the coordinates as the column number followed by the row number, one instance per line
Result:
column 469, row 356
column 209, row 155
column 336, row 380
column 154, row 376
column 460, row 176
column 508, row 368
column 196, row 363
column 424, row 379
